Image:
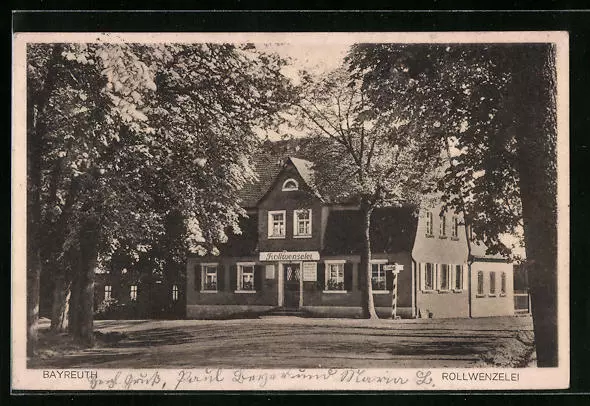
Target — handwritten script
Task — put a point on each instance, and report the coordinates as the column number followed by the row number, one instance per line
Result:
column 217, row 378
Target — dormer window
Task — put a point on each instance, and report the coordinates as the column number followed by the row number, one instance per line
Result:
column 290, row 184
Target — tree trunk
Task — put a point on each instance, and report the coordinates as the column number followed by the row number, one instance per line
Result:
column 367, row 303
column 59, row 307
column 74, row 306
column 538, row 189
column 36, row 133
column 88, row 259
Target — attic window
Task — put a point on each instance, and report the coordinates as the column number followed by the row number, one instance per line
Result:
column 290, row 184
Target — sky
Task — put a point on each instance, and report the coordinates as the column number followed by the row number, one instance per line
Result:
column 316, row 58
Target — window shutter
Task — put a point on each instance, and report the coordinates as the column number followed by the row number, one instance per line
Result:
column 258, row 277
column 421, row 275
column 360, row 273
column 220, row 278
column 233, row 278
column 322, row 275
column 197, row 281
column 348, row 276
column 389, row 280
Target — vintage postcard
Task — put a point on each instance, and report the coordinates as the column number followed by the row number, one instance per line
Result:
column 290, row 211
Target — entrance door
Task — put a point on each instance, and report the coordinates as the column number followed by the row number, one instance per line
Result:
column 292, row 275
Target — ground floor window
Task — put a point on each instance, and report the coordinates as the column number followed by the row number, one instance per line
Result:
column 108, row 292
column 458, row 277
column 334, row 276
column 378, row 276
column 445, row 277
column 133, row 292
column 174, row 293
column 480, row 283
column 246, row 277
column 492, row 283
column 428, row 276
column 503, row 284
column 209, row 278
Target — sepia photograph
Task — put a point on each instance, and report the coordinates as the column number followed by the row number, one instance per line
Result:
column 310, row 211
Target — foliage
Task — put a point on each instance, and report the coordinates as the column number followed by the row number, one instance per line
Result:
column 462, row 96
column 369, row 158
column 134, row 131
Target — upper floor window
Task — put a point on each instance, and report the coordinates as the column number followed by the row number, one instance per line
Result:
column 174, row 293
column 133, row 292
column 108, row 292
column 443, row 225
column 429, row 223
column 290, row 184
column 378, row 276
column 246, row 277
column 276, row 224
column 302, row 223
column 445, row 277
column 455, row 227
column 335, row 276
column 209, row 278
column 480, row 283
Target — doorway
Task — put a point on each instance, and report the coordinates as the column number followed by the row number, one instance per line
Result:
column 292, row 278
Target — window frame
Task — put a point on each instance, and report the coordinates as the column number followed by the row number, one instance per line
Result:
column 442, row 226
column 296, row 223
column 108, row 292
column 458, row 267
column 455, row 228
column 480, row 293
column 379, row 263
column 175, row 293
column 239, row 277
column 271, row 213
column 204, row 268
column 328, row 263
column 492, row 286
column 429, row 224
column 440, row 272
column 133, row 293
column 284, row 188
column 424, row 267
column 503, row 283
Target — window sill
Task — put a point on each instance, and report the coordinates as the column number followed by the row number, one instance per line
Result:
column 455, row 238
column 276, row 237
column 335, row 291
column 208, row 291
column 492, row 295
column 428, row 291
column 444, row 291
column 302, row 236
column 442, row 237
column 458, row 290
column 429, row 235
column 380, row 292
column 244, row 291
column 480, row 295
column 502, row 294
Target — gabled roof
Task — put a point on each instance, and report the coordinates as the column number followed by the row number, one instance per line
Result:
column 271, row 159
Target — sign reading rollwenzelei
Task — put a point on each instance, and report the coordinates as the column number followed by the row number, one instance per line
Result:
column 290, row 256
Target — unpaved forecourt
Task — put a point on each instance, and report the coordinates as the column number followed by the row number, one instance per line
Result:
column 294, row 342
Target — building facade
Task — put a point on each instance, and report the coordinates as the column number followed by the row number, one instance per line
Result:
column 299, row 251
